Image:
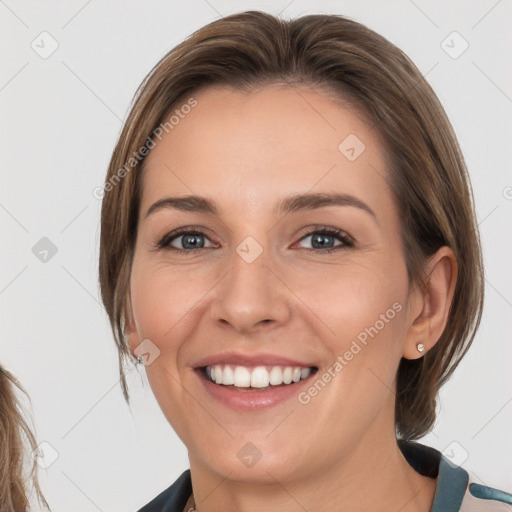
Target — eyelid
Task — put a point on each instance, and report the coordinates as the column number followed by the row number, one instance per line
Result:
column 346, row 241
column 321, row 228
column 345, row 238
column 164, row 242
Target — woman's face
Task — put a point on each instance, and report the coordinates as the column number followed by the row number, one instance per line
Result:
column 258, row 283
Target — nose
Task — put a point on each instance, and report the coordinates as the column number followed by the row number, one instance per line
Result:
column 251, row 296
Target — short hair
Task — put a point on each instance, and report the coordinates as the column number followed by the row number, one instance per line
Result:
column 427, row 172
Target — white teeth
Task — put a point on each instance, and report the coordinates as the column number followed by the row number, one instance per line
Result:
column 242, row 377
column 287, row 375
column 304, row 372
column 276, row 376
column 228, row 376
column 257, row 377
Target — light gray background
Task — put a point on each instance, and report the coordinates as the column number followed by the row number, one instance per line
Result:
column 61, row 117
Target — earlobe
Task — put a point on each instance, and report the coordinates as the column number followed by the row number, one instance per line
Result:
column 130, row 329
column 132, row 340
column 433, row 301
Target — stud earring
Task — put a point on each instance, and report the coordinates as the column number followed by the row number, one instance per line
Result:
column 139, row 360
column 420, row 347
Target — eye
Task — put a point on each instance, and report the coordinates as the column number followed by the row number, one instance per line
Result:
column 323, row 239
column 190, row 239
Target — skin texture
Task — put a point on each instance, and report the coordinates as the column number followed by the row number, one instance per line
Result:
column 247, row 151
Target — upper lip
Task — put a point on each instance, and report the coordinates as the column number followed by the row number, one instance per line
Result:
column 241, row 359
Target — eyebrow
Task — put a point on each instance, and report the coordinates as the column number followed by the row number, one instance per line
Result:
column 289, row 204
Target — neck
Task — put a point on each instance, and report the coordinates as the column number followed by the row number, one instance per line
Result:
column 372, row 475
column 391, row 484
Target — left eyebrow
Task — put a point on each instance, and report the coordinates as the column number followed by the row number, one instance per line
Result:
column 289, row 204
column 312, row 201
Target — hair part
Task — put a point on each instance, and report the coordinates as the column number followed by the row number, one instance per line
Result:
column 353, row 64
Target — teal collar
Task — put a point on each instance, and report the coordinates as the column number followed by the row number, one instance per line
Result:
column 452, row 480
column 452, row 483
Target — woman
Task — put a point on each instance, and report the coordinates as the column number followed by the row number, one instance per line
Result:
column 14, row 431
column 289, row 246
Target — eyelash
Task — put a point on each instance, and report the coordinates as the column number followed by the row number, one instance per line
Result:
column 347, row 241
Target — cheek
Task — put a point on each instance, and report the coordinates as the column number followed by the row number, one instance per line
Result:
column 163, row 307
column 162, row 298
column 362, row 295
column 344, row 300
column 363, row 304
column 364, row 310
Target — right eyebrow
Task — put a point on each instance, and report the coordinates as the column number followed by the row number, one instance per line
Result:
column 185, row 203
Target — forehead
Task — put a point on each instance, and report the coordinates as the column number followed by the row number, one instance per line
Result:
column 251, row 148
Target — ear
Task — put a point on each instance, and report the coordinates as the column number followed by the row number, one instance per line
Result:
column 130, row 328
column 429, row 304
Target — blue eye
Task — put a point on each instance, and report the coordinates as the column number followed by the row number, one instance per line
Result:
column 321, row 239
column 193, row 239
column 190, row 239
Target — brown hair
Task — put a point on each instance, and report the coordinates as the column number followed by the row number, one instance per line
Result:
column 13, row 489
column 426, row 168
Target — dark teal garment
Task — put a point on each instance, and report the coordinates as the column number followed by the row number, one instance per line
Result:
column 454, row 492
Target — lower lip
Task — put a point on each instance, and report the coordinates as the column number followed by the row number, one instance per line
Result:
column 248, row 399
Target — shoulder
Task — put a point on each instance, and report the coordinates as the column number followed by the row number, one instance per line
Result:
column 174, row 498
column 482, row 498
column 458, row 490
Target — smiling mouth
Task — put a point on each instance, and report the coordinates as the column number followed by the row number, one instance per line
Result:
column 256, row 378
